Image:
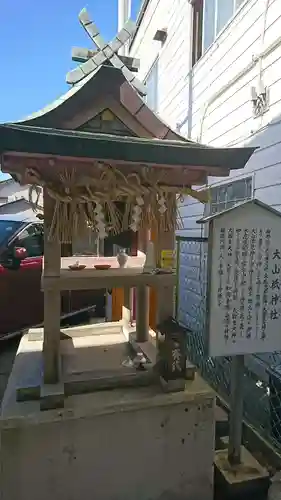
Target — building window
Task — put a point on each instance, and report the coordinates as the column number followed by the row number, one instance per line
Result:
column 225, row 10
column 216, row 14
column 32, row 239
column 151, row 82
column 227, row 195
column 197, row 26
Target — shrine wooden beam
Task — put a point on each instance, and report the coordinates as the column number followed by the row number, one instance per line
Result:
column 50, row 168
column 81, row 55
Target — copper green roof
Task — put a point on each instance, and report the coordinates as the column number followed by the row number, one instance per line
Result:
column 68, row 143
column 106, row 83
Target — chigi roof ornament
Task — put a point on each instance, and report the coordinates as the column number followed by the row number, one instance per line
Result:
column 105, row 52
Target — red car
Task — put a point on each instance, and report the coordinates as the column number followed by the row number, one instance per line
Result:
column 21, row 299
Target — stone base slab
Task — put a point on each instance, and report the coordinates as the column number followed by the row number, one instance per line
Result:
column 123, row 444
column 247, row 478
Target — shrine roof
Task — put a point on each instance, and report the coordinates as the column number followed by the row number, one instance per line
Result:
column 37, row 117
column 107, row 83
column 253, row 201
column 30, row 140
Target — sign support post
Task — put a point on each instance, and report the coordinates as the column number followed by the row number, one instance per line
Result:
column 236, row 410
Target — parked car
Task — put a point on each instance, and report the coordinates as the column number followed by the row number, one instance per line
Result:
column 21, row 298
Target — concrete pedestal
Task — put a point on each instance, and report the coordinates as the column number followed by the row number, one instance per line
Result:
column 247, row 479
column 135, row 444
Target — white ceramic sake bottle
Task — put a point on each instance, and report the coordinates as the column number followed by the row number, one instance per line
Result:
column 122, row 258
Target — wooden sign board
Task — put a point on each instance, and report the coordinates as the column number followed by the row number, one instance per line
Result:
column 172, row 350
column 244, row 281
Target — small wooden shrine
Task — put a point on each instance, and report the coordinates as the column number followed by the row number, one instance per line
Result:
column 107, row 97
column 86, row 178
column 106, row 161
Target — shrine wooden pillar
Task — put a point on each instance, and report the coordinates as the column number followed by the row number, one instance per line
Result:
column 153, row 291
column 121, row 298
column 162, row 299
column 117, row 296
column 165, row 294
column 127, row 307
column 142, row 297
column 52, row 300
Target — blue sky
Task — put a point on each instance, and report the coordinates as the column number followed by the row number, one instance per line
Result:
column 35, row 48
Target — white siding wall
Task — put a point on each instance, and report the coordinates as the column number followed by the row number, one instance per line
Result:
column 221, row 107
column 12, row 190
column 174, row 56
column 214, row 98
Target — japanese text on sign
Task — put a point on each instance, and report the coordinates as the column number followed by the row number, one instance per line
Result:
column 244, row 281
column 244, row 304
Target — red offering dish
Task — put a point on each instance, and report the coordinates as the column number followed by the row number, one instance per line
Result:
column 102, row 267
column 74, row 267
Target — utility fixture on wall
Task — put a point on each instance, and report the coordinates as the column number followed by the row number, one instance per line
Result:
column 260, row 99
column 161, row 35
